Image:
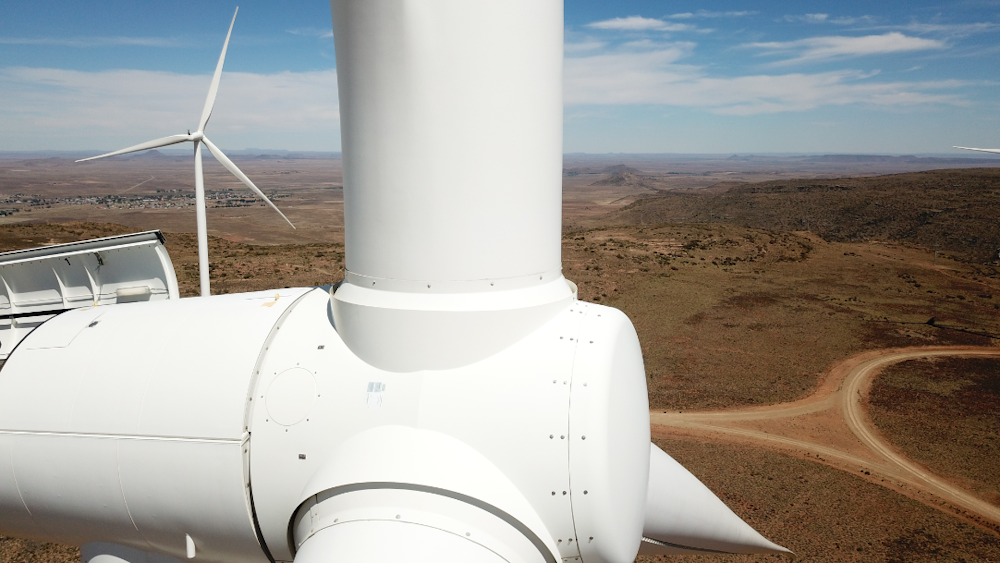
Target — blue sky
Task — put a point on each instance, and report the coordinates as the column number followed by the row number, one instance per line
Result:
column 641, row 75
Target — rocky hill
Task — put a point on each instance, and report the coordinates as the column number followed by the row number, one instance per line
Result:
column 956, row 211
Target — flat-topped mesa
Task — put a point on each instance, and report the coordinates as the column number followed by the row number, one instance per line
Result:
column 451, row 126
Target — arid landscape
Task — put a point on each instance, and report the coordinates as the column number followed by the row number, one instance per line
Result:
column 820, row 333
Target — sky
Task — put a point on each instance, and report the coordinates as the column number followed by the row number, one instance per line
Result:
column 640, row 76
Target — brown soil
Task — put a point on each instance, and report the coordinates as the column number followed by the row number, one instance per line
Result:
column 945, row 414
column 823, row 514
column 955, row 209
column 734, row 316
column 234, row 267
column 832, row 427
column 14, row 550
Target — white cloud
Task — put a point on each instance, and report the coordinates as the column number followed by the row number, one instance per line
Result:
column 708, row 14
column 825, row 18
column 852, row 20
column 835, row 47
column 94, row 41
column 656, row 78
column 953, row 30
column 808, row 18
column 311, row 32
column 638, row 23
column 68, row 109
column 582, row 46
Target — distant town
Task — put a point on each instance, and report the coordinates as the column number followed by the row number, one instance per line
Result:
column 162, row 199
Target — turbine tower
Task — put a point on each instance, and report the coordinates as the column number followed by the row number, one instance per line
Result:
column 199, row 138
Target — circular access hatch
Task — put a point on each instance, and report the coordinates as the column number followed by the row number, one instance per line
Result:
column 290, row 396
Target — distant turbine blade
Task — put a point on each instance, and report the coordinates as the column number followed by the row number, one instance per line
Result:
column 239, row 174
column 213, row 90
column 154, row 144
column 994, row 151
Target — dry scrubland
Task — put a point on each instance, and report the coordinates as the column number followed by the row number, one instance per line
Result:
column 742, row 294
column 732, row 316
column 823, row 514
column 954, row 210
column 945, row 413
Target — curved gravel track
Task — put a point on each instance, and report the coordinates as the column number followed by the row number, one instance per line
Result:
column 846, row 396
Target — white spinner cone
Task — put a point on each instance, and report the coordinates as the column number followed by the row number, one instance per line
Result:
column 198, row 137
column 684, row 517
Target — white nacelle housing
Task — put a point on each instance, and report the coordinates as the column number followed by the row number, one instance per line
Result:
column 245, row 423
column 37, row 283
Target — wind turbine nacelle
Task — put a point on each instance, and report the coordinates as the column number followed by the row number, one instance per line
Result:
column 238, row 427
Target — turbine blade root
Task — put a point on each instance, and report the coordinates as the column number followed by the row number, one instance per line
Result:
column 684, row 516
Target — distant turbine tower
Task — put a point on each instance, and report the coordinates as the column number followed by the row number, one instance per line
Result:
column 198, row 137
column 995, row 151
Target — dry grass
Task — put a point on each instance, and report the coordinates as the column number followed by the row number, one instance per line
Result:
column 823, row 514
column 15, row 550
column 734, row 316
column 945, row 414
column 233, row 267
column 955, row 209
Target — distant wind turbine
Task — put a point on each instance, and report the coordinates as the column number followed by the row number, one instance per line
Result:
column 995, row 151
column 198, row 137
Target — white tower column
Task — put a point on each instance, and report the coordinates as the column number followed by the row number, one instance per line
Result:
column 451, row 121
column 451, row 126
column 199, row 205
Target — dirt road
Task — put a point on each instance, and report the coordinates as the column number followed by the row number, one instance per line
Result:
column 832, row 426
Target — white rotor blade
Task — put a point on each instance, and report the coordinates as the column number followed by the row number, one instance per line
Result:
column 213, row 90
column 995, row 151
column 154, row 144
column 239, row 174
